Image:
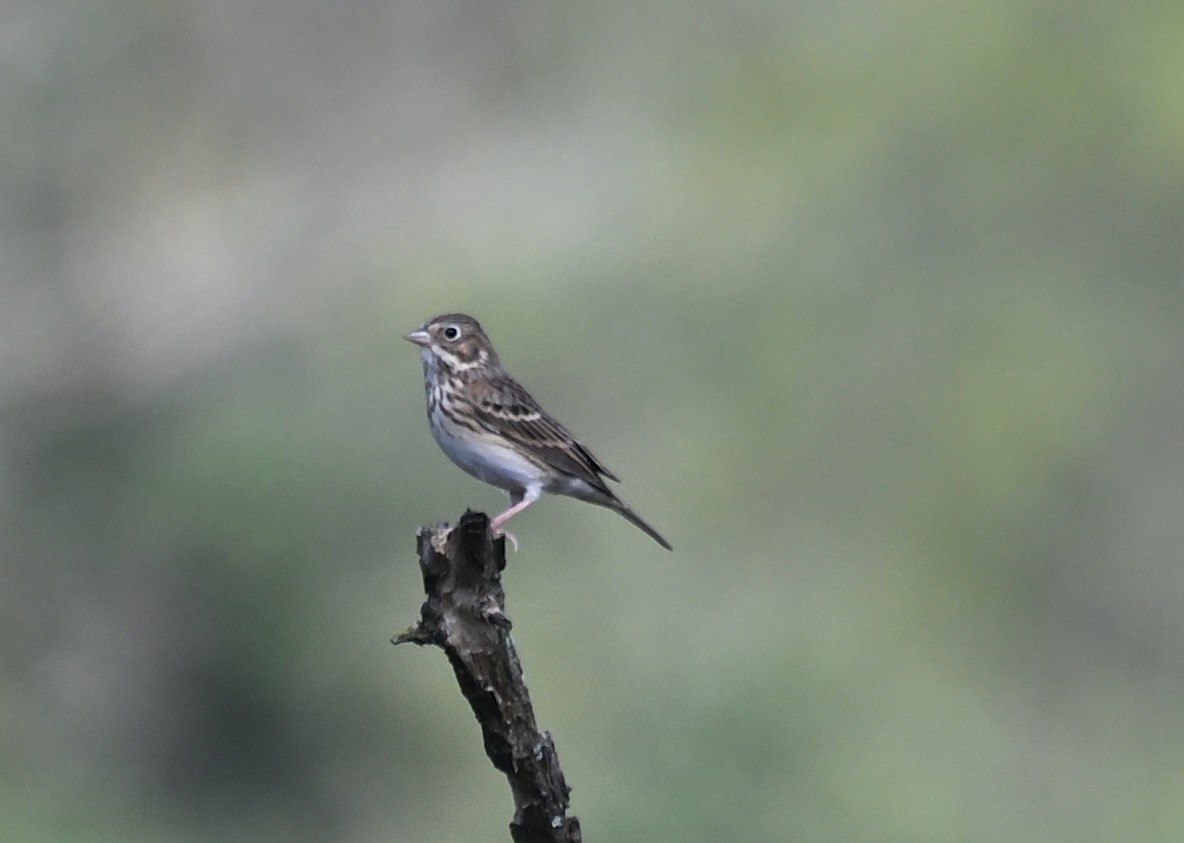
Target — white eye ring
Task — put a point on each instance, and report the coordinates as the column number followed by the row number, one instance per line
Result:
column 451, row 333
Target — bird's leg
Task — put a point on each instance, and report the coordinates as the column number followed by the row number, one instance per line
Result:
column 518, row 502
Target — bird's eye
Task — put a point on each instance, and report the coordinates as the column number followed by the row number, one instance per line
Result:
column 451, row 332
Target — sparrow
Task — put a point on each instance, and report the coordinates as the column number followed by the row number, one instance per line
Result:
column 493, row 429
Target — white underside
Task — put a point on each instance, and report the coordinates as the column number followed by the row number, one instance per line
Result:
column 485, row 459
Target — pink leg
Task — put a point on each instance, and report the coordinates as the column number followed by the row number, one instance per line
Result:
column 526, row 500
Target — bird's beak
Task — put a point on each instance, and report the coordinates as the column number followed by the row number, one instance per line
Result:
column 421, row 338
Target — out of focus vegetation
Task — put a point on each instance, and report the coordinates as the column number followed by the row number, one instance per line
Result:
column 877, row 309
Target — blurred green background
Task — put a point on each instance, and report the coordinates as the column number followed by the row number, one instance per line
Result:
column 877, row 308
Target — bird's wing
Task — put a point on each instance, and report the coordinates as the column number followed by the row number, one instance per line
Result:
column 503, row 406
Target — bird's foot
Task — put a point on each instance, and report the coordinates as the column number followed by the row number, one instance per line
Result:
column 503, row 534
column 495, row 527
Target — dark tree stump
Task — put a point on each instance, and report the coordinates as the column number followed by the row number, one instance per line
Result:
column 464, row 616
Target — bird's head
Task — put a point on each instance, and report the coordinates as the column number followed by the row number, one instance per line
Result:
column 455, row 341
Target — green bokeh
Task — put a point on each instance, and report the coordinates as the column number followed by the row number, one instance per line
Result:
column 876, row 309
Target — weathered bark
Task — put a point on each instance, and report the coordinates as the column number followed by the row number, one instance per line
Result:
column 464, row 615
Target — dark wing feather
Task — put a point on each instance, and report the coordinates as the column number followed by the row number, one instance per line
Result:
column 503, row 406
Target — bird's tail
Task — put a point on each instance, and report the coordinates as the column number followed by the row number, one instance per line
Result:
column 636, row 520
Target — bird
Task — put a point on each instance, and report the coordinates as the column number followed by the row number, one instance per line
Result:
column 493, row 429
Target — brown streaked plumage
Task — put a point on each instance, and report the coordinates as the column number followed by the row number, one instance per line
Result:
column 490, row 426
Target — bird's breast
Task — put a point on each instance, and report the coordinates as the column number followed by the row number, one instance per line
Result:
column 484, row 456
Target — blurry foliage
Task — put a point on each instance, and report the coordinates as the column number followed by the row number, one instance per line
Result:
column 876, row 309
